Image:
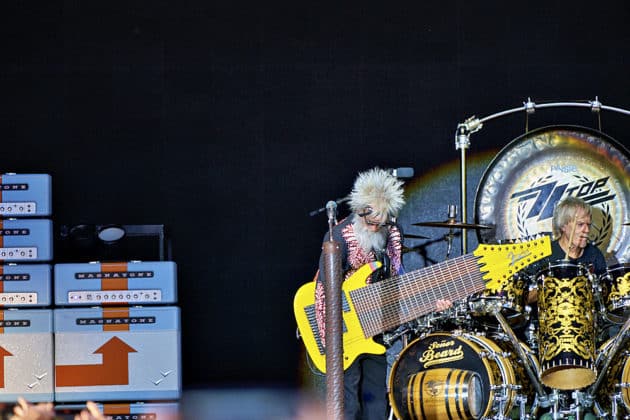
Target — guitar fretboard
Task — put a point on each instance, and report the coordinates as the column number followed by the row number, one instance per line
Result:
column 387, row 304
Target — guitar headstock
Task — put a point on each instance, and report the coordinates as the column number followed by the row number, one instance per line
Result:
column 500, row 262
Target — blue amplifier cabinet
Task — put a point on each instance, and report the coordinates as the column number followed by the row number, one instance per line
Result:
column 25, row 240
column 25, row 285
column 24, row 195
column 119, row 283
column 120, row 411
column 117, row 354
column 26, row 355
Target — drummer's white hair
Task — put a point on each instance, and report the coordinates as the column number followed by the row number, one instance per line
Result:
column 564, row 212
column 378, row 189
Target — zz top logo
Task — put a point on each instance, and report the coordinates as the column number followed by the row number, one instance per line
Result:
column 545, row 196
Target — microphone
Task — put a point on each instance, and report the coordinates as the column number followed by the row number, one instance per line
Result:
column 401, row 172
column 337, row 201
column 331, row 210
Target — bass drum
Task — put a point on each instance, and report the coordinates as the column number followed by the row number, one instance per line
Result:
column 460, row 376
column 518, row 191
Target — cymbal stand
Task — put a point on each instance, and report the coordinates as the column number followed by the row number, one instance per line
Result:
column 452, row 215
column 462, row 143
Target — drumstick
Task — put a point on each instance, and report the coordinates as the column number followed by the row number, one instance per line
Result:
column 566, row 255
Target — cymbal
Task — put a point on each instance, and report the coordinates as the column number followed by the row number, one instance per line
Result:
column 627, row 224
column 410, row 236
column 452, row 224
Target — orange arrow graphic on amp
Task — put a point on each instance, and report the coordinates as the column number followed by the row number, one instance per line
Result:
column 113, row 371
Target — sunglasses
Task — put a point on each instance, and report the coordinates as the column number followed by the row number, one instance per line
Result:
column 371, row 222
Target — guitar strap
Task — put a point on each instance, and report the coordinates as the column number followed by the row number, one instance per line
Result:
column 385, row 270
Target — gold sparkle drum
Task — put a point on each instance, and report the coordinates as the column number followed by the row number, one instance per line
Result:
column 614, row 391
column 615, row 285
column 458, row 376
column 566, row 332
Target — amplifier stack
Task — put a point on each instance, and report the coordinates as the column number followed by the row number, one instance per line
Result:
column 105, row 331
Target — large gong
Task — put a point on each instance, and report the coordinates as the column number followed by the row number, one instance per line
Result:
column 517, row 192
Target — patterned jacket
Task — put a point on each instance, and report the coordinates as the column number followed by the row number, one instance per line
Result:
column 354, row 257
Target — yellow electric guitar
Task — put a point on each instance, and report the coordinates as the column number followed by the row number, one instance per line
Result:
column 371, row 309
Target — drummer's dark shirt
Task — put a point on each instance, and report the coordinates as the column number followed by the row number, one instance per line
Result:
column 591, row 256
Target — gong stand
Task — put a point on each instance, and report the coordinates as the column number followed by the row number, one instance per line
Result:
column 474, row 124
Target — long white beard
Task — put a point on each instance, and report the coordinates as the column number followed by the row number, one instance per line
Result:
column 367, row 239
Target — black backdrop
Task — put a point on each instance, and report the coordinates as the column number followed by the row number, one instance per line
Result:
column 228, row 122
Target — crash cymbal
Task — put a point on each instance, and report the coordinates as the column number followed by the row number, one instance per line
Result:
column 410, row 236
column 452, row 224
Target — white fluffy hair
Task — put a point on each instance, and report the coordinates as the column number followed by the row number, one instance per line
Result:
column 378, row 189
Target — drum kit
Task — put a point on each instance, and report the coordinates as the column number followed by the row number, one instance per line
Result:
column 501, row 354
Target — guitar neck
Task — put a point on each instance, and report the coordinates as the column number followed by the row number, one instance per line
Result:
column 387, row 304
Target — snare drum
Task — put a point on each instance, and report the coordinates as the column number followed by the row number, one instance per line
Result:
column 566, row 332
column 458, row 376
column 615, row 285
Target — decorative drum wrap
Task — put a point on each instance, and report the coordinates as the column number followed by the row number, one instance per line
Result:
column 567, row 326
column 518, row 191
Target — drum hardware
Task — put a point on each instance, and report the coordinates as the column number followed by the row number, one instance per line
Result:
column 410, row 236
column 608, row 355
column 421, row 249
column 543, row 399
column 390, row 337
column 452, row 225
column 615, row 401
column 574, row 411
column 509, row 299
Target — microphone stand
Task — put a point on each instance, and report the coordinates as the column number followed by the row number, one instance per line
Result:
column 325, row 208
column 334, row 333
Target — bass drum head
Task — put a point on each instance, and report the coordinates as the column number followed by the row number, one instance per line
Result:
column 519, row 189
column 433, row 355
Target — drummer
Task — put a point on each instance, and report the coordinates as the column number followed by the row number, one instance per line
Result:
column 571, row 225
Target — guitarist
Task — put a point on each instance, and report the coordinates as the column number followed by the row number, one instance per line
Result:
column 368, row 234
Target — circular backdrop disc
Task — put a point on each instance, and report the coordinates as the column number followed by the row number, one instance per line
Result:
column 517, row 193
